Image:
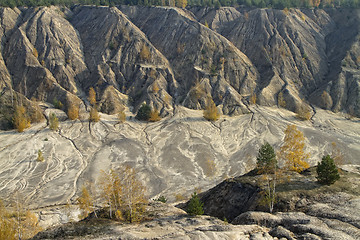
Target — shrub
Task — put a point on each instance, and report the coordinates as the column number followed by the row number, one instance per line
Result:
column 162, row 199
column 144, row 113
column 122, row 116
column 53, row 122
column 154, row 116
column 327, row 171
column 195, row 206
column 94, row 115
column 73, row 112
column 211, row 113
column 145, row 53
column 58, row 104
column 304, row 112
column 92, row 96
column 40, row 157
column 20, row 119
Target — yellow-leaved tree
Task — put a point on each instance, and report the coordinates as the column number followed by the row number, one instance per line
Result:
column 73, row 112
column 85, row 201
column 292, row 150
column 124, row 194
column 92, row 96
column 20, row 118
column 211, row 112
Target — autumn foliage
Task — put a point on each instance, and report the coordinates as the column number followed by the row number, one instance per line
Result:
column 20, row 118
column 211, row 112
column 292, row 150
column 73, row 112
column 123, row 193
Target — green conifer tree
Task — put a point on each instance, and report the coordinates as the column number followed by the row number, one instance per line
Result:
column 195, row 206
column 327, row 171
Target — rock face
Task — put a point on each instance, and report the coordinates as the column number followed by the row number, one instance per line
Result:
column 168, row 223
column 313, row 211
column 166, row 57
column 305, row 55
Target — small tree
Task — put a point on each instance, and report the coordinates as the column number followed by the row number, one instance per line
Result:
column 266, row 159
column 20, row 119
column 303, row 112
column 195, row 206
column 122, row 116
column 85, row 202
column 145, row 53
column 154, row 116
column 124, row 194
column 73, row 112
column 292, row 150
column 94, row 115
column 161, row 199
column 144, row 113
column 53, row 122
column 327, row 171
column 40, row 157
column 92, row 96
column 211, row 112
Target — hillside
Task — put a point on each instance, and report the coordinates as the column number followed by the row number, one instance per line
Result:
column 166, row 56
column 259, row 66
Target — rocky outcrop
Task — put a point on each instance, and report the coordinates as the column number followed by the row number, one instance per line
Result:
column 167, row 223
column 313, row 211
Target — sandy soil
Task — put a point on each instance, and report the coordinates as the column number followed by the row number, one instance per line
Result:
column 173, row 156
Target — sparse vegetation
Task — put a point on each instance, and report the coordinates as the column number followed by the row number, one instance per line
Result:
column 211, row 112
column 145, row 53
column 154, row 116
column 73, row 112
column 281, row 101
column 124, row 194
column 53, row 122
column 122, row 116
column 162, row 199
column 94, row 115
column 92, row 96
column 195, row 206
column 58, row 104
column 327, row 172
column 85, row 201
column 278, row 4
column 303, row 112
column 40, row 157
column 20, row 118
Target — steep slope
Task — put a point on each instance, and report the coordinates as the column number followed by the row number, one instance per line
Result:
column 287, row 47
column 207, row 66
column 122, row 61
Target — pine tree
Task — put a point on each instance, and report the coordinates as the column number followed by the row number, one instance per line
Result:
column 144, row 113
column 266, row 159
column 327, row 171
column 195, row 206
column 292, row 150
column 53, row 122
